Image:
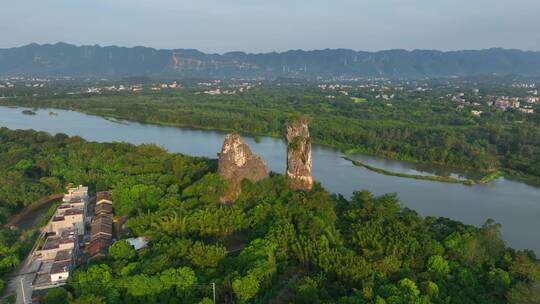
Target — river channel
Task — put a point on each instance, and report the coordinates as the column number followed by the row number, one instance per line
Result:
column 514, row 204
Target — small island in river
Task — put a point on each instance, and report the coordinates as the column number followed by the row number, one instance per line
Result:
column 436, row 178
column 28, row 112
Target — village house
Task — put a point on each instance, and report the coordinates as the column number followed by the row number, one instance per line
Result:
column 527, row 110
column 213, row 92
column 476, row 113
column 55, row 243
column 58, row 257
column 72, row 213
column 62, row 266
column 69, row 219
column 75, row 202
column 54, row 273
column 532, row 99
column 79, row 191
column 77, row 197
column 101, row 227
column 59, row 253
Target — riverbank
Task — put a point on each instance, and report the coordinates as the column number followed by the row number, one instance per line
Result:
column 486, row 179
column 435, row 178
column 477, row 177
column 511, row 203
column 159, row 120
column 345, row 149
column 523, row 178
column 491, row 177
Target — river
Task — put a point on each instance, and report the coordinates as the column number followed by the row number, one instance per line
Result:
column 513, row 204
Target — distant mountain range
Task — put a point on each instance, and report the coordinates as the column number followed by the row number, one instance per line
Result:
column 114, row 62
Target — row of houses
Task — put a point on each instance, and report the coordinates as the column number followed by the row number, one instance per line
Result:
column 66, row 232
column 72, row 213
column 101, row 228
column 60, row 251
column 58, row 258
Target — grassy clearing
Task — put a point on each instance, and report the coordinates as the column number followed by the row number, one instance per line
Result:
column 491, row 177
column 358, row 100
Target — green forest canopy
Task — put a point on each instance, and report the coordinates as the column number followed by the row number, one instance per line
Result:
column 416, row 126
column 271, row 244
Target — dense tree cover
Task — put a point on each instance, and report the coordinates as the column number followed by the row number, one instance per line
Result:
column 415, row 126
column 272, row 243
column 13, row 246
column 277, row 244
column 35, row 164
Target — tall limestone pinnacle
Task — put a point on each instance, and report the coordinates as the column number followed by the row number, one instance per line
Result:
column 237, row 162
column 299, row 154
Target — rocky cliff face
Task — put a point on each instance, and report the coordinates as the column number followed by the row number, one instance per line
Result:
column 237, row 162
column 299, row 154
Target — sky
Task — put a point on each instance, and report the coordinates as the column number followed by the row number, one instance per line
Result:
column 218, row 26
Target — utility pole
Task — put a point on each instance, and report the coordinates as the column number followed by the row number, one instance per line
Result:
column 22, row 291
column 214, row 291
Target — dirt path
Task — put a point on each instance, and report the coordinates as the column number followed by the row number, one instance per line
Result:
column 30, row 209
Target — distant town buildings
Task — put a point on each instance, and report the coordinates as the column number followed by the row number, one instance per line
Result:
column 476, row 113
column 385, row 96
column 532, row 99
column 527, row 110
column 233, row 89
column 505, row 102
column 524, row 85
column 213, row 92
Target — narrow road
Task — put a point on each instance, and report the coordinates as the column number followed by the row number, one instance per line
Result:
column 21, row 281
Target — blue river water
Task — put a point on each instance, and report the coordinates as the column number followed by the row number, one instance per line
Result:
column 513, row 204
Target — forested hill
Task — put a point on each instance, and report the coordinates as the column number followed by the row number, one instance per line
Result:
column 272, row 245
column 63, row 59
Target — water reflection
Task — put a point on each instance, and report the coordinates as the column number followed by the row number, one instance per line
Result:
column 513, row 204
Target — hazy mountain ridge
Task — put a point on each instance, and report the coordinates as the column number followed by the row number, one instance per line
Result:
column 63, row 59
